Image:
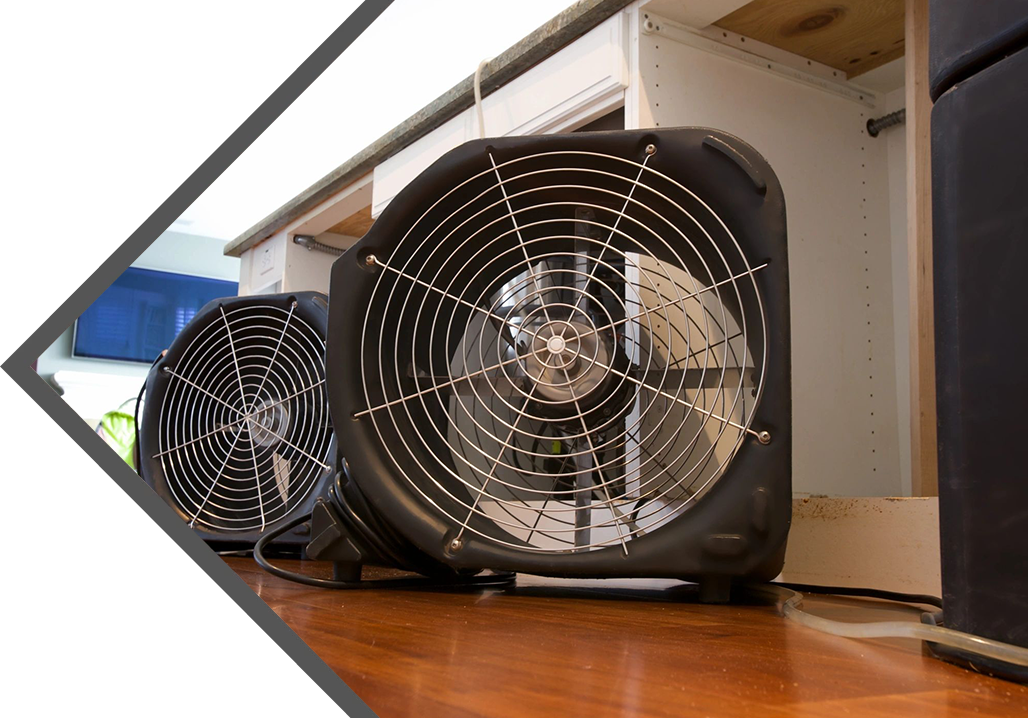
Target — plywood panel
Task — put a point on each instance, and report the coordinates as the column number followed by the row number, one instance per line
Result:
column 924, row 468
column 356, row 225
column 850, row 35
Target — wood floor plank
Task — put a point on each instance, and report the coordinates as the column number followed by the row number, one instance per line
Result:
column 617, row 648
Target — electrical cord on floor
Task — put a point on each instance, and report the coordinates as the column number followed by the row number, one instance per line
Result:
column 373, row 532
column 966, row 642
column 916, row 598
column 491, row 580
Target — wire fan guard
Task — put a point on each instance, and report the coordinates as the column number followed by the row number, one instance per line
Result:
column 243, row 434
column 564, row 352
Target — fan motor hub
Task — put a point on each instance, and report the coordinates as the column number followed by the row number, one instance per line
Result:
column 556, row 344
column 268, row 420
column 566, row 360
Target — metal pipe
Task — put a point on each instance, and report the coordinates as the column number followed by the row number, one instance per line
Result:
column 875, row 126
column 306, row 240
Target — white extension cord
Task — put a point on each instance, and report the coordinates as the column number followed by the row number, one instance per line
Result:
column 966, row 642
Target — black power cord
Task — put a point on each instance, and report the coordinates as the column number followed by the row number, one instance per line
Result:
column 136, row 454
column 915, row 598
column 137, row 457
column 491, row 580
column 375, row 533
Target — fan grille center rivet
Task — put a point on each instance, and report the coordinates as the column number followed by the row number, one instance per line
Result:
column 556, row 344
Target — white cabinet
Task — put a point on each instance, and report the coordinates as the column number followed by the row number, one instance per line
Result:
column 847, row 260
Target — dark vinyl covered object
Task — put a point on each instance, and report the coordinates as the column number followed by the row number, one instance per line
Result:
column 966, row 37
column 980, row 245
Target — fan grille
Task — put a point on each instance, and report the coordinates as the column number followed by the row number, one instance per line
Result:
column 564, row 352
column 244, row 431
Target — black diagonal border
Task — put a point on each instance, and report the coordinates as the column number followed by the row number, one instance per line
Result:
column 117, row 604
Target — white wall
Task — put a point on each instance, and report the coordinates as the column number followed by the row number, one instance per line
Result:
column 172, row 252
column 889, row 82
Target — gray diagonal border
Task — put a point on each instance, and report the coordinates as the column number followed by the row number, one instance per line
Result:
column 201, row 178
column 105, row 463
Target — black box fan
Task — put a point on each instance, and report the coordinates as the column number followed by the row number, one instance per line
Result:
column 571, row 357
column 235, row 433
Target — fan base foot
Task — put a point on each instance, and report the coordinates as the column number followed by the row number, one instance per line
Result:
column 346, row 571
column 715, row 589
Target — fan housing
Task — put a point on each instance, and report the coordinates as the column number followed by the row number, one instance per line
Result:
column 573, row 358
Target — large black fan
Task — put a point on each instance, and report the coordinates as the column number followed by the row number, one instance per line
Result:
column 571, row 357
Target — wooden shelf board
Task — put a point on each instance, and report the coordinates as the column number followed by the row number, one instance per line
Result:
column 853, row 36
column 356, row 225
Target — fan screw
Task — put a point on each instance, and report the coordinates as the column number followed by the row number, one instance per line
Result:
column 457, row 544
column 651, row 149
column 764, row 437
column 371, row 260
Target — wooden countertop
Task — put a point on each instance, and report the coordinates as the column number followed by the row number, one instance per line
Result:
column 564, row 648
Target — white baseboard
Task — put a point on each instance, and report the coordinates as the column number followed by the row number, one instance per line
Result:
column 886, row 543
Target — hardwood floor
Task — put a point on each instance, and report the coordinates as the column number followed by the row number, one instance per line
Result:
column 562, row 648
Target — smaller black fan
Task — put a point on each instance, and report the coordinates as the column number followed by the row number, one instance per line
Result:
column 235, row 432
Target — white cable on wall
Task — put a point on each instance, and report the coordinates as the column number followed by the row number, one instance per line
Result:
column 478, row 97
